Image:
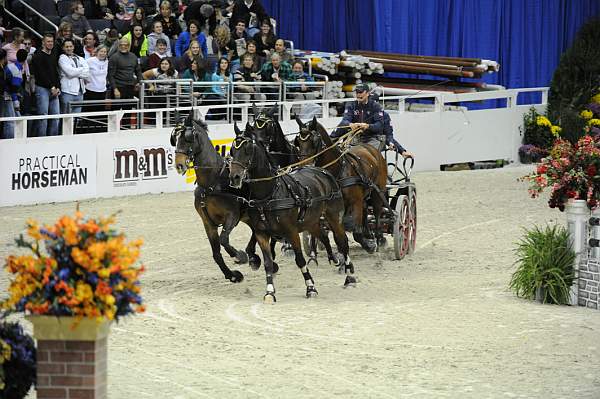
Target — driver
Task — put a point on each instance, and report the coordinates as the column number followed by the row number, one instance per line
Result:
column 364, row 113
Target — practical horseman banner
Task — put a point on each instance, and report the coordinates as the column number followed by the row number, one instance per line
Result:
column 41, row 171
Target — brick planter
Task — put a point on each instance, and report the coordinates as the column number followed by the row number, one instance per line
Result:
column 71, row 363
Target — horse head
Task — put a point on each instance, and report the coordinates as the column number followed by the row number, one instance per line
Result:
column 264, row 125
column 184, row 138
column 308, row 141
column 242, row 155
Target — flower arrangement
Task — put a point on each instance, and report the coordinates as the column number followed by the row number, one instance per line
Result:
column 539, row 134
column 591, row 114
column 86, row 270
column 17, row 361
column 571, row 172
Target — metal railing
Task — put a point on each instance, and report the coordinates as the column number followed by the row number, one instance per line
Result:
column 117, row 119
column 40, row 15
column 99, row 123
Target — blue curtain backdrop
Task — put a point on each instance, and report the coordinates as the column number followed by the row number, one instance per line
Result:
column 526, row 37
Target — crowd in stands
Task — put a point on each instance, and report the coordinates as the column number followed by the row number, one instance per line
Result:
column 201, row 40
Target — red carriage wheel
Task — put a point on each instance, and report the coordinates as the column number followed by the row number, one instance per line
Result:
column 401, row 227
column 413, row 223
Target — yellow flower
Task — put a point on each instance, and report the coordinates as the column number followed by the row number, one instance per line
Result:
column 594, row 122
column 596, row 98
column 110, row 300
column 586, row 114
column 543, row 121
column 555, row 130
column 104, row 273
column 83, row 291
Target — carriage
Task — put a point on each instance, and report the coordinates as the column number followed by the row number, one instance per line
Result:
column 400, row 222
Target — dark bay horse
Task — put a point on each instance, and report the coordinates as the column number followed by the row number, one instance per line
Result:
column 361, row 172
column 286, row 205
column 268, row 132
column 215, row 201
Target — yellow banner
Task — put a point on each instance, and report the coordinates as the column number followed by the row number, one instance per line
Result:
column 222, row 146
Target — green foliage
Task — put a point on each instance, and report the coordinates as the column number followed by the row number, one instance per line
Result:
column 576, row 80
column 538, row 135
column 545, row 261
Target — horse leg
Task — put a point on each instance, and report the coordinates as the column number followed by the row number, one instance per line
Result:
column 213, row 237
column 311, row 291
column 273, row 254
column 240, row 256
column 253, row 259
column 263, row 241
column 312, row 243
column 341, row 241
column 358, row 216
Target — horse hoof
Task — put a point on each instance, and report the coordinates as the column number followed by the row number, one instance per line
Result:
column 341, row 269
column 269, row 298
column 350, row 282
column 369, row 245
column 314, row 260
column 275, row 267
column 288, row 253
column 254, row 262
column 381, row 242
column 241, row 258
column 311, row 292
column 236, row 277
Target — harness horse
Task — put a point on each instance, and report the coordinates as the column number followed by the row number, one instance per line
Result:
column 285, row 204
column 215, row 201
column 362, row 173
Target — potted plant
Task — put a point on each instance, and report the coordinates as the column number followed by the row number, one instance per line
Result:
column 571, row 172
column 17, row 361
column 539, row 133
column 545, row 263
column 77, row 277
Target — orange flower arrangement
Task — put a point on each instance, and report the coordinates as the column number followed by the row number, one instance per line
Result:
column 86, row 270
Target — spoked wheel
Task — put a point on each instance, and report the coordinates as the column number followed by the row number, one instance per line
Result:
column 413, row 223
column 402, row 227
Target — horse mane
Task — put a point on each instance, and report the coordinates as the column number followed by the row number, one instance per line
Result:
column 323, row 133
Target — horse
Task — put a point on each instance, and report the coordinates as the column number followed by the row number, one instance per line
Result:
column 268, row 132
column 361, row 172
column 283, row 205
column 215, row 201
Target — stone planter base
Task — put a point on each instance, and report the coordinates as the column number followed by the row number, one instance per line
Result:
column 589, row 279
column 71, row 362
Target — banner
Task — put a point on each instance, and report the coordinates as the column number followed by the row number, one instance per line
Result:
column 49, row 170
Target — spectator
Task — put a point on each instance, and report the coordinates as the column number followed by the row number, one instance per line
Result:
column 16, row 79
column 161, row 93
column 8, row 110
column 95, row 88
column 185, row 61
column 283, row 53
column 157, row 33
column 201, row 11
column 149, row 6
column 196, row 71
column 112, row 42
column 237, row 44
column 44, row 67
column 124, row 72
column 139, row 18
column 193, row 33
column 251, row 12
column 221, row 42
column 103, row 9
column 300, row 92
column 27, row 105
column 73, row 72
column 90, row 42
column 246, row 73
column 77, row 19
column 276, row 72
column 170, row 26
column 29, row 47
column 157, row 56
column 11, row 48
column 265, row 39
column 217, row 95
column 65, row 31
column 125, row 10
column 257, row 60
column 139, row 41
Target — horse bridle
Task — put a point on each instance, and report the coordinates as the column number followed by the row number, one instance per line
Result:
column 262, row 122
column 318, row 144
column 177, row 132
column 239, row 145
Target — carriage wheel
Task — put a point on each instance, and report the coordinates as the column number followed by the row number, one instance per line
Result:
column 413, row 223
column 401, row 227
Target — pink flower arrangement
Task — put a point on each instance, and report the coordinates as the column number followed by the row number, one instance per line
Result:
column 571, row 172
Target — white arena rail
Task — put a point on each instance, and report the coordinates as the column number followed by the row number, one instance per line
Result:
column 130, row 162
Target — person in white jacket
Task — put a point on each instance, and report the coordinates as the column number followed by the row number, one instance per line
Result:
column 73, row 71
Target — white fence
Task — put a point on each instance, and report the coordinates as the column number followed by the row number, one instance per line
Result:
column 129, row 162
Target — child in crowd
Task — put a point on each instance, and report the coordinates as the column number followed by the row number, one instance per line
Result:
column 159, row 53
column 157, row 33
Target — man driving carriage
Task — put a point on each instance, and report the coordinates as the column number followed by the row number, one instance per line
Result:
column 366, row 113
